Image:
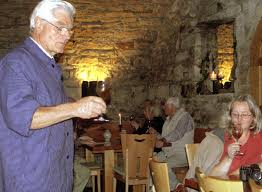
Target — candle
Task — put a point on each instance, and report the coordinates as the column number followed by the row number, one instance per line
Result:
column 120, row 120
column 213, row 76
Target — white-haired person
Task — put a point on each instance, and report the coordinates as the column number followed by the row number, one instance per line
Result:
column 36, row 140
column 178, row 130
column 244, row 114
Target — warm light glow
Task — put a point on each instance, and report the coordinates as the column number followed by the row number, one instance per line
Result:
column 225, row 46
column 83, row 75
column 220, row 75
column 92, row 73
column 225, row 69
column 213, row 76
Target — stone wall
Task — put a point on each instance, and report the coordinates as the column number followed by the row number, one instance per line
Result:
column 14, row 19
column 191, row 41
column 150, row 49
column 118, row 36
column 245, row 16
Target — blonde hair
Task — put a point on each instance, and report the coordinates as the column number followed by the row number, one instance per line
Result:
column 253, row 108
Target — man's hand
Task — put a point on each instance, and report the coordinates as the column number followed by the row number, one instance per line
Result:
column 159, row 143
column 162, row 143
column 89, row 107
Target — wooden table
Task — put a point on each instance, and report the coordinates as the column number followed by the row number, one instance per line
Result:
column 96, row 132
column 254, row 187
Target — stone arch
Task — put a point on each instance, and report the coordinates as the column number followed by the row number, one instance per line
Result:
column 255, row 73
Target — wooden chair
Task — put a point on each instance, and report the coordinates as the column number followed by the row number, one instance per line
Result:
column 215, row 184
column 137, row 149
column 199, row 135
column 254, row 187
column 190, row 152
column 160, row 176
column 95, row 171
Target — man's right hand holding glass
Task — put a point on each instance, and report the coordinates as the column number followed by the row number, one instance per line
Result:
column 89, row 107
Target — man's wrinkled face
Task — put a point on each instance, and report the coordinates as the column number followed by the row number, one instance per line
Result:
column 53, row 35
column 169, row 109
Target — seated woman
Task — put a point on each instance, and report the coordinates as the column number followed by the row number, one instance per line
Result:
column 245, row 115
column 153, row 119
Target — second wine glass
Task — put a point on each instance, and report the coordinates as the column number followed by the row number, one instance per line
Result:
column 103, row 91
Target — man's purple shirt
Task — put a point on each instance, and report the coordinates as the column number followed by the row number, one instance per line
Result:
column 32, row 160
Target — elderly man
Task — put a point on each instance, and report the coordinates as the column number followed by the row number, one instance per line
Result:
column 177, row 131
column 36, row 140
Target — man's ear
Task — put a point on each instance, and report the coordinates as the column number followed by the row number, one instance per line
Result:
column 38, row 24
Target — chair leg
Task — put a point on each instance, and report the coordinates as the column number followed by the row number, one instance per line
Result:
column 93, row 184
column 126, row 184
column 98, row 182
column 114, row 184
column 146, row 187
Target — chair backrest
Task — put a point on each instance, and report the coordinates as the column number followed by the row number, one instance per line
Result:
column 137, row 150
column 191, row 151
column 160, row 176
column 215, row 184
column 200, row 134
column 254, row 187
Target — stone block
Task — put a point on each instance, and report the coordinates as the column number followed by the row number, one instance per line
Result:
column 181, row 56
column 158, row 91
column 125, row 45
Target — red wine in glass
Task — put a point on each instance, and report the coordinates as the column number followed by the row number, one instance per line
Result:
column 237, row 133
column 103, row 91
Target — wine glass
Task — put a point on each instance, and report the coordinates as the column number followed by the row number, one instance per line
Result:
column 103, row 90
column 149, row 124
column 237, row 132
column 132, row 117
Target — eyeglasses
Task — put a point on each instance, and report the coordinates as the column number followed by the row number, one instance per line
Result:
column 61, row 30
column 243, row 115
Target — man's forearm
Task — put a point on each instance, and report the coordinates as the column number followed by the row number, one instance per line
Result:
column 86, row 107
column 46, row 116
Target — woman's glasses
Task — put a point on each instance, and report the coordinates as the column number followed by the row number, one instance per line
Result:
column 242, row 115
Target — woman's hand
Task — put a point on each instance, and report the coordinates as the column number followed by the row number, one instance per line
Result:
column 233, row 149
column 151, row 130
column 134, row 124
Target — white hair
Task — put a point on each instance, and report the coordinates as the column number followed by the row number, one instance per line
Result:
column 45, row 10
column 175, row 101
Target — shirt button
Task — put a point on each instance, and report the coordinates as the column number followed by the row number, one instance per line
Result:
column 53, row 65
column 67, row 156
column 67, row 133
